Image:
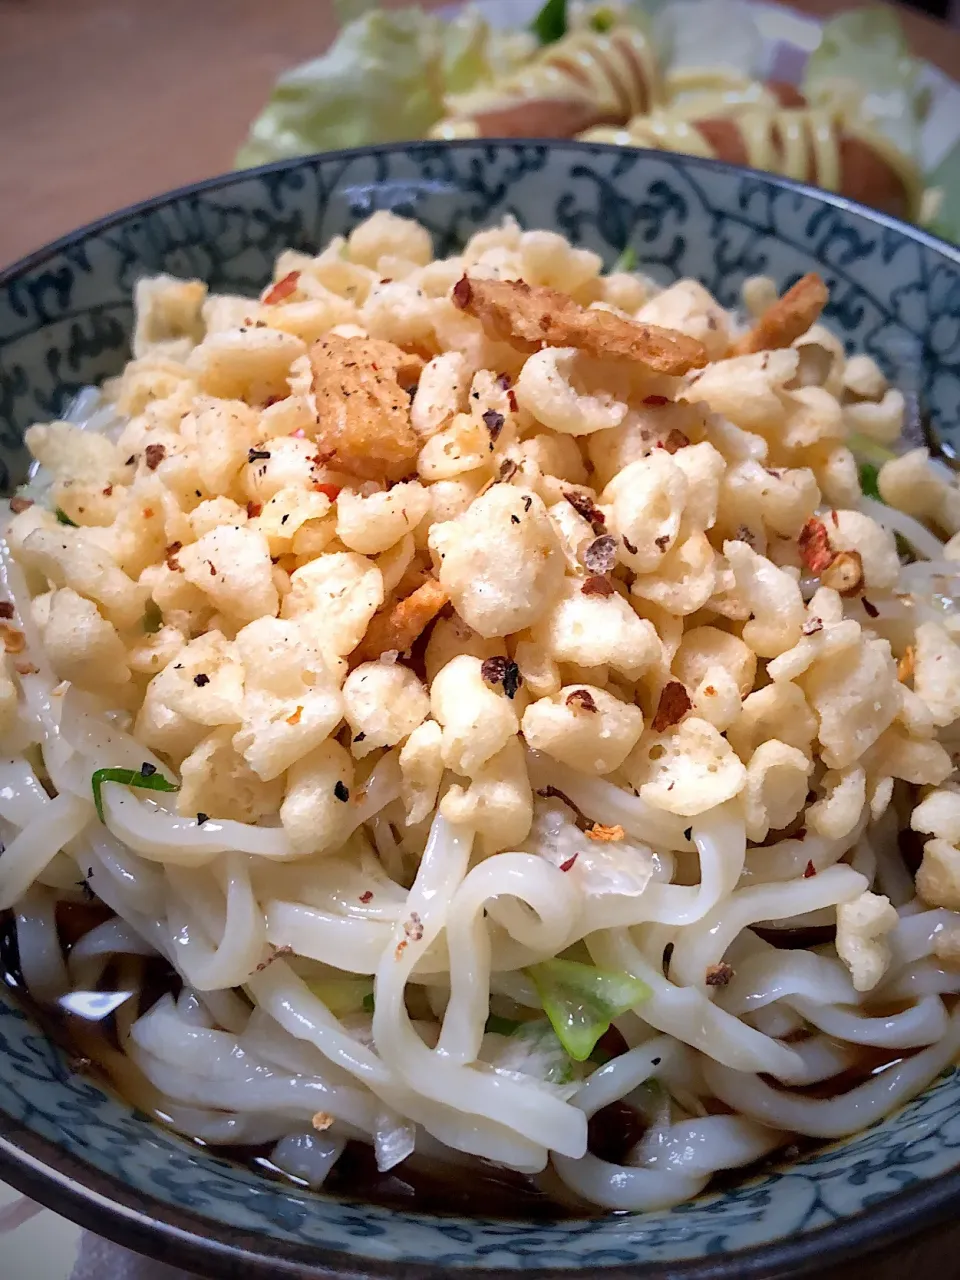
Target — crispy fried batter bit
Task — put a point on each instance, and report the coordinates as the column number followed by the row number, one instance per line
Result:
column 597, row 586
column 813, row 543
column 581, row 700
column 398, row 627
column 906, row 664
column 322, row 1121
column 844, row 574
column 531, row 317
column 605, row 834
column 787, row 319
column 718, row 975
column 413, row 927
column 601, row 555
column 673, row 706
column 363, row 408
column 13, row 640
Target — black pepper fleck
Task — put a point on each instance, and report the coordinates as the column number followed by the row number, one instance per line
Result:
column 200, row 680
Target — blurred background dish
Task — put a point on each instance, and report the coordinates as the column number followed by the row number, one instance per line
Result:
column 842, row 105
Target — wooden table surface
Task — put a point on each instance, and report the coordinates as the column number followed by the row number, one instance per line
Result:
column 105, row 102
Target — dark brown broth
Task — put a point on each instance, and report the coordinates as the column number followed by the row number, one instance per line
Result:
column 477, row 1189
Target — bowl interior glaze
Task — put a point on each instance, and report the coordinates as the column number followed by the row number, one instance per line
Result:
column 65, row 317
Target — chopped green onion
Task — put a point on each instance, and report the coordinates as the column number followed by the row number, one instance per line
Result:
column 866, row 450
column 129, row 778
column 501, row 1026
column 551, row 22
column 868, row 480
column 627, row 260
column 581, row 1001
column 343, row 995
column 152, row 618
column 63, row 518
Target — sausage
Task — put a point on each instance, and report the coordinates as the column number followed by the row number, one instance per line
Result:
column 865, row 174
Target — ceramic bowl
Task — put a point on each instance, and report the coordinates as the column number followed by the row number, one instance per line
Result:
column 65, row 317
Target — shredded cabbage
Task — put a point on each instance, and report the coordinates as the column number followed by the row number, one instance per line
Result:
column 581, row 1001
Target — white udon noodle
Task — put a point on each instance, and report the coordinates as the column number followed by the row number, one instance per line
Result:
column 250, row 1054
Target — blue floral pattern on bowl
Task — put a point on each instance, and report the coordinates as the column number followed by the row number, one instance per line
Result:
column 65, row 317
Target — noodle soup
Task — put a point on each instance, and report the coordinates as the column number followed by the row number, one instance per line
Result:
column 459, row 720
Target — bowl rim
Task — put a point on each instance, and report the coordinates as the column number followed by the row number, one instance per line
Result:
column 39, row 1168
column 36, row 257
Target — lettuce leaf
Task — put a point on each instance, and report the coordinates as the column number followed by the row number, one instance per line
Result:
column 581, row 1001
column 382, row 80
column 863, row 58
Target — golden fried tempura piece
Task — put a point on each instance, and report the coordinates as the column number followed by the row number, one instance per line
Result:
column 398, row 627
column 788, row 319
column 531, row 317
column 362, row 406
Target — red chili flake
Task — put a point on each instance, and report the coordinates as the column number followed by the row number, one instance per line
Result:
column 581, row 700
column 568, row 863
column 673, row 706
column 462, row 293
column 20, row 504
column 656, row 401
column 597, row 586
column 675, row 441
column 585, row 506
column 836, row 519
column 153, row 455
column 814, row 546
column 508, row 469
column 630, row 546
column 869, row 608
column 400, row 949
column 254, row 509
column 662, row 542
column 170, row 555
column 282, row 289
column 366, row 896
column 512, row 400
column 812, row 626
column 718, row 975
column 213, row 569
column 601, row 555
column 107, row 491
column 6, row 609
column 330, row 491
column 295, row 717
column 387, row 280
column 148, row 513
column 809, row 870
